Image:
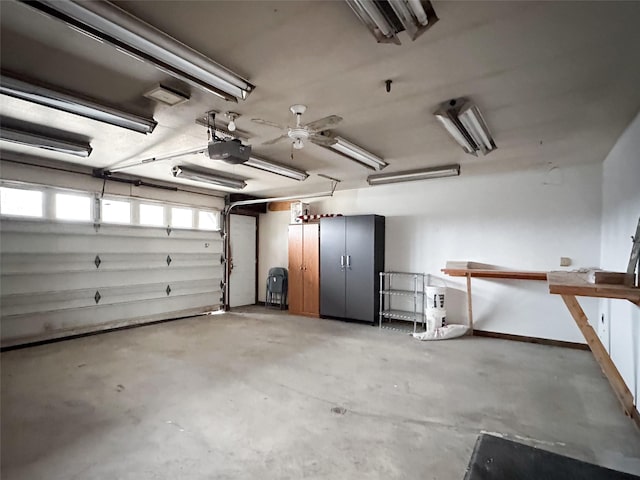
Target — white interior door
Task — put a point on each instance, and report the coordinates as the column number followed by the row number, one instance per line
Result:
column 242, row 279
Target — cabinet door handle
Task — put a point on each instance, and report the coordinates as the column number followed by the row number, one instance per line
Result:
column 349, row 261
column 341, row 261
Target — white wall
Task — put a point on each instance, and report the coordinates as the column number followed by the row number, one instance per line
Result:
column 620, row 328
column 520, row 220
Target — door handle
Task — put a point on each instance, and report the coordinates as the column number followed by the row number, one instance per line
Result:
column 342, row 262
column 349, row 261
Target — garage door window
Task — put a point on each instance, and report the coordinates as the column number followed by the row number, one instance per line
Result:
column 115, row 211
column 73, row 207
column 208, row 220
column 181, row 217
column 16, row 201
column 151, row 215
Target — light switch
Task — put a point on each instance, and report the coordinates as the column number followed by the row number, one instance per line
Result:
column 565, row 261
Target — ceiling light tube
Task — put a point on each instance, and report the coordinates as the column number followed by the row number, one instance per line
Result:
column 278, row 169
column 376, row 16
column 67, row 103
column 115, row 26
column 455, row 132
column 474, row 123
column 47, row 143
column 418, row 10
column 413, row 175
column 368, row 13
column 180, row 171
column 406, row 17
column 358, row 154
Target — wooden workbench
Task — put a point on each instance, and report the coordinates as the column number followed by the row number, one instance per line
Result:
column 570, row 284
column 489, row 273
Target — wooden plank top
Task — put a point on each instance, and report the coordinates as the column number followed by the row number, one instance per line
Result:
column 489, row 273
column 575, row 283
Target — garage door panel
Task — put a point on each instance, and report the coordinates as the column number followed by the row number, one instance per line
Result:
column 95, row 243
column 49, row 270
column 29, row 283
column 61, row 323
column 30, row 263
column 20, row 304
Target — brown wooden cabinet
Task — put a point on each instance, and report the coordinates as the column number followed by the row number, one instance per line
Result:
column 304, row 269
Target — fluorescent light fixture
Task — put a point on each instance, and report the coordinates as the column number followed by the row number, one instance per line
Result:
column 474, row 123
column 418, row 10
column 166, row 95
column 464, row 122
column 386, row 18
column 369, row 14
column 413, row 175
column 451, row 127
column 359, row 154
column 47, row 143
column 78, row 106
column 276, row 168
column 111, row 24
column 211, row 178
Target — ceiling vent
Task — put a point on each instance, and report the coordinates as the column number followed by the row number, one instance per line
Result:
column 166, row 95
column 386, row 18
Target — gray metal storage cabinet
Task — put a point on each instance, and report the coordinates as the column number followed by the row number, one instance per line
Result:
column 351, row 258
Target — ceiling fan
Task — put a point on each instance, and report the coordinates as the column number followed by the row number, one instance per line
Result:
column 300, row 133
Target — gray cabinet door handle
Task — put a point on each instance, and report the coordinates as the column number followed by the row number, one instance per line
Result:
column 349, row 261
column 341, row 261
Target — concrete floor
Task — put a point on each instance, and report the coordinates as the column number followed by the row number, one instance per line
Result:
column 252, row 395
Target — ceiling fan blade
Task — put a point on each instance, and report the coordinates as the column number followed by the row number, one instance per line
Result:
column 324, row 123
column 322, row 140
column 267, row 122
column 275, row 140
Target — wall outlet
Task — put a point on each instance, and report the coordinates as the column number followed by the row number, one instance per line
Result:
column 565, row 261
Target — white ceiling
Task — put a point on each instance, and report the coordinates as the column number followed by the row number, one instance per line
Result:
column 557, row 83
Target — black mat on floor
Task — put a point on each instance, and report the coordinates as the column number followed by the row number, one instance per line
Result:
column 495, row 458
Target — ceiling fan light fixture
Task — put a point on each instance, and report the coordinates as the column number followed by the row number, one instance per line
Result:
column 113, row 25
column 414, row 175
column 464, row 122
column 180, row 171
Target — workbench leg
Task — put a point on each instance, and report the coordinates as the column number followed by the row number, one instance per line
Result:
column 602, row 357
column 469, row 305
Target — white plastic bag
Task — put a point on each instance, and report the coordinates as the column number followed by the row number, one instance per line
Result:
column 443, row 333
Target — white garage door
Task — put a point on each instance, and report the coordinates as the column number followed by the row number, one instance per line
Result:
column 59, row 279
